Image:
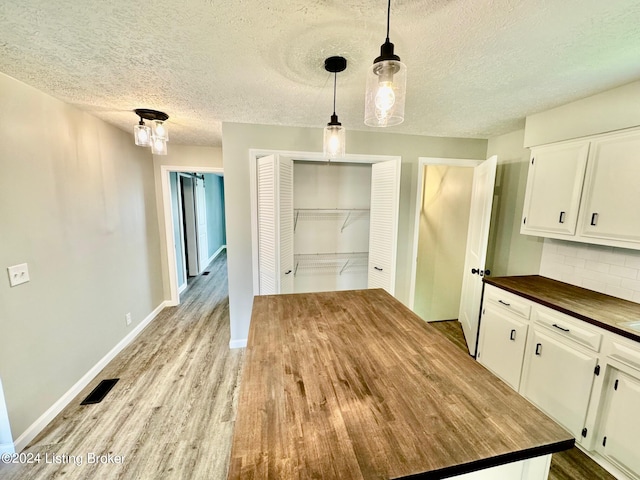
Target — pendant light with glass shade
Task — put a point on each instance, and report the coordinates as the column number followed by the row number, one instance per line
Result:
column 155, row 136
column 386, row 86
column 334, row 138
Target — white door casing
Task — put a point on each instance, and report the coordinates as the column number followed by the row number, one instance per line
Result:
column 383, row 225
column 201, row 224
column 484, row 176
column 6, row 440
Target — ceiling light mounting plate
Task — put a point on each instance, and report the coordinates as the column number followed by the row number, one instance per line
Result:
column 335, row 64
column 148, row 114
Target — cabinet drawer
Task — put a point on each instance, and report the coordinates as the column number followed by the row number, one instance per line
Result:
column 567, row 327
column 627, row 355
column 507, row 301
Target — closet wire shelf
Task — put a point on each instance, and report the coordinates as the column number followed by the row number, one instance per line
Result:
column 350, row 215
column 331, row 263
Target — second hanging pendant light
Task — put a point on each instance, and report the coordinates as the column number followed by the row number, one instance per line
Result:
column 386, row 86
column 334, row 137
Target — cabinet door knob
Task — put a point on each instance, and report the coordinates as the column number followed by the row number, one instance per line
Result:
column 561, row 219
column 538, row 349
column 512, row 336
column 594, row 219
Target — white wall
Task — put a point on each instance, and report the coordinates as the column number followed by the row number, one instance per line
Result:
column 611, row 110
column 509, row 252
column 237, row 139
column 77, row 203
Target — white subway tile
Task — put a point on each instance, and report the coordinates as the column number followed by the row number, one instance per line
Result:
column 568, row 249
column 597, row 266
column 594, row 285
column 624, row 272
column 632, row 284
column 616, row 257
column 576, row 262
column 633, row 260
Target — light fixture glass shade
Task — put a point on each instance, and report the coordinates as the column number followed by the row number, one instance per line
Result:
column 334, row 141
column 142, row 135
column 158, row 146
column 160, row 130
column 385, row 95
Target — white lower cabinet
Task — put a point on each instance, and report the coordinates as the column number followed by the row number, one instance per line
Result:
column 558, row 378
column 501, row 344
column 619, row 440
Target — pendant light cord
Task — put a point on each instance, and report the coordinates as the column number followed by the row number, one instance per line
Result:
column 388, row 18
column 335, row 77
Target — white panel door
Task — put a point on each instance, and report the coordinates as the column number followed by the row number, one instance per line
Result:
column 284, row 184
column 554, row 187
column 501, row 346
column 383, row 225
column 612, row 189
column 484, row 177
column 557, row 378
column 201, row 225
column 620, row 441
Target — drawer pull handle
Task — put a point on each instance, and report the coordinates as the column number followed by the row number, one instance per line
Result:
column 512, row 337
column 538, row 349
column 594, row 219
column 287, row 272
column 378, row 268
column 561, row 219
column 560, row 328
column 504, row 303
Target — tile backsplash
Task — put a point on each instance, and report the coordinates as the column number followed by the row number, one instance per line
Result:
column 610, row 270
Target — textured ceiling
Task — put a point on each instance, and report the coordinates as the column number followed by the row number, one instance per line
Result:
column 475, row 68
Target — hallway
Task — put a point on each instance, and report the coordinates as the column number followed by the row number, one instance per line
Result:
column 170, row 416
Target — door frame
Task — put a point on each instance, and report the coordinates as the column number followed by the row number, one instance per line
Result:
column 174, row 296
column 422, row 163
column 255, row 154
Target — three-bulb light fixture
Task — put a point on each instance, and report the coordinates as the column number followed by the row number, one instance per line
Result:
column 155, row 136
column 334, row 134
column 386, row 86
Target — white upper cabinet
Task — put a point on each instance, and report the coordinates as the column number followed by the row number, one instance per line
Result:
column 612, row 189
column 586, row 190
column 554, row 187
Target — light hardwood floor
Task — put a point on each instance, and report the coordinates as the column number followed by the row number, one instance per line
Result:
column 568, row 465
column 171, row 415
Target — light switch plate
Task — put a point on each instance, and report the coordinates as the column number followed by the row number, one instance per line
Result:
column 18, row 274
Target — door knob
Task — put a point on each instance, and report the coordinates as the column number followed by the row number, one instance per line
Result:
column 475, row 271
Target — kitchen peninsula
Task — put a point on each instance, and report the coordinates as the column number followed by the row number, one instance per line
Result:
column 353, row 385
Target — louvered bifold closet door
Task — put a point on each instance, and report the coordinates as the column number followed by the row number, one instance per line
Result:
column 285, row 194
column 267, row 226
column 383, row 226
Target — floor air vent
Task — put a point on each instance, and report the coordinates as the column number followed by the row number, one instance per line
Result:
column 100, row 391
column 206, row 273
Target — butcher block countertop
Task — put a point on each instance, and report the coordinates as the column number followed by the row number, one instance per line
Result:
column 353, row 385
column 602, row 310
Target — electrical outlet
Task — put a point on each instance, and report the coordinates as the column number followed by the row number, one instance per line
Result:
column 127, row 318
column 18, row 274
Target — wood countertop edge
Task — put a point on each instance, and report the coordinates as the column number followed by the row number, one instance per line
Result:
column 490, row 462
column 559, row 308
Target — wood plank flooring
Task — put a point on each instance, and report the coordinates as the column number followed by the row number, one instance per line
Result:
column 172, row 413
column 568, row 465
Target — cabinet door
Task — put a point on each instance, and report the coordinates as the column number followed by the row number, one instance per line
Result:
column 621, row 423
column 612, row 189
column 558, row 379
column 554, row 187
column 383, row 225
column 501, row 345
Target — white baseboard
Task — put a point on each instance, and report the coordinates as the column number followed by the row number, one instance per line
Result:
column 238, row 343
column 216, row 253
column 7, row 448
column 36, row 427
